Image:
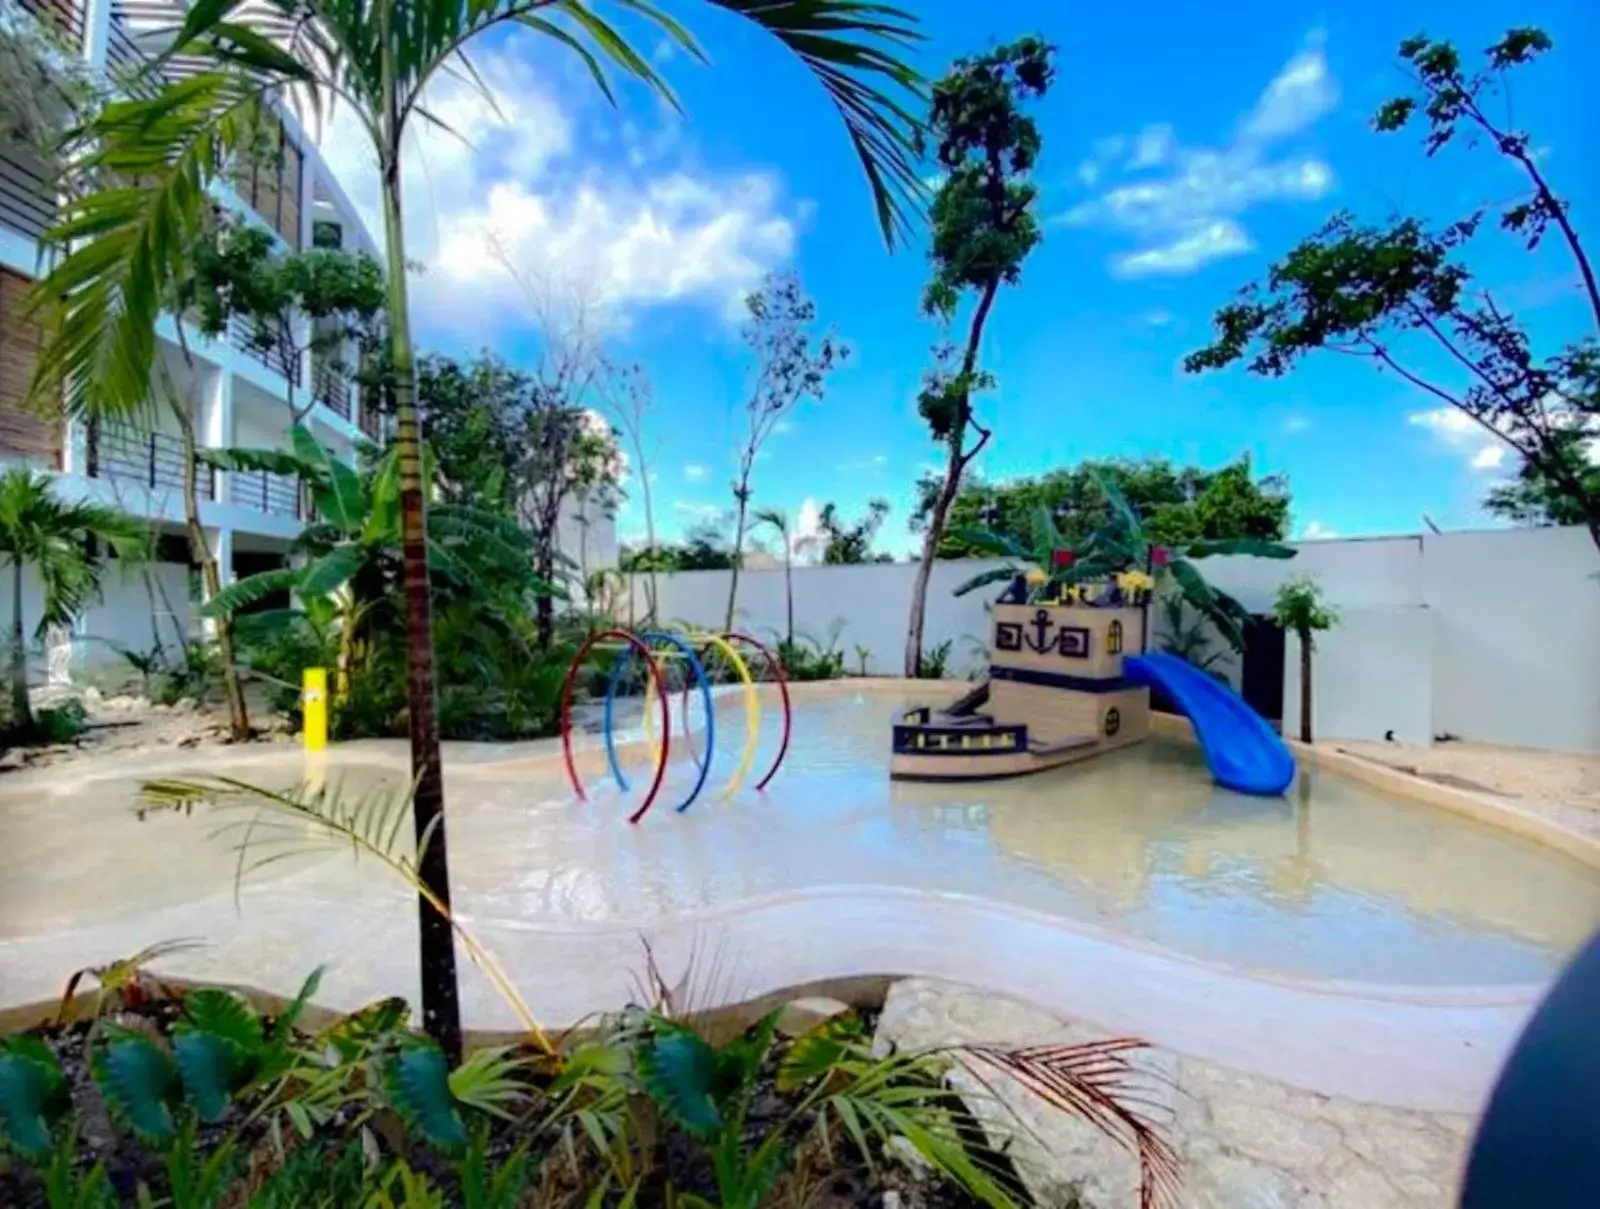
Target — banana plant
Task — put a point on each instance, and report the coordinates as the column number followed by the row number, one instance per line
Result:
column 350, row 554
column 1121, row 545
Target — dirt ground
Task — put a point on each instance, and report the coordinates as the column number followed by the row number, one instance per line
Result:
column 1515, row 772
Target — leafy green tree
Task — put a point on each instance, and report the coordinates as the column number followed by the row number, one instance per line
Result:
column 791, row 365
column 473, row 413
column 40, row 530
column 1122, row 544
column 1300, row 608
column 844, row 543
column 1177, row 503
column 239, row 274
column 1400, row 293
column 983, row 229
column 124, row 246
column 1534, row 497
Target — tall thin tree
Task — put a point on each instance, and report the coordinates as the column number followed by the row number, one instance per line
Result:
column 983, row 229
column 153, row 158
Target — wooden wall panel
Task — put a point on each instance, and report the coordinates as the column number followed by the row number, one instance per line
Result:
column 21, row 432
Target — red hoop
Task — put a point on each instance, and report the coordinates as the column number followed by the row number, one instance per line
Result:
column 666, row 715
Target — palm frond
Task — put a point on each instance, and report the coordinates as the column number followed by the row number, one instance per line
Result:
column 1254, row 547
column 851, row 47
column 270, row 461
column 332, row 571
column 1045, row 536
column 124, row 247
column 985, row 578
column 307, row 817
column 989, row 542
column 1095, row 1082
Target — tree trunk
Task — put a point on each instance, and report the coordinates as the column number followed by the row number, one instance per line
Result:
column 544, row 608
column 930, row 546
column 1305, row 686
column 200, row 551
column 788, row 586
column 738, row 551
column 21, row 710
column 952, row 484
column 441, row 1004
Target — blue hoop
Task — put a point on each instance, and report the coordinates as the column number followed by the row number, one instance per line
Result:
column 705, row 695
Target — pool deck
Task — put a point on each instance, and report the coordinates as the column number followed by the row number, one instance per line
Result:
column 1423, row 1048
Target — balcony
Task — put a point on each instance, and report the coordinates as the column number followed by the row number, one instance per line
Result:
column 262, row 345
column 331, row 386
column 273, row 494
column 121, row 453
column 65, row 17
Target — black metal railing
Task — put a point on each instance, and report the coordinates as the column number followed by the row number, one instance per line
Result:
column 27, row 191
column 274, row 494
column 64, row 16
column 153, row 460
column 331, row 386
column 249, row 338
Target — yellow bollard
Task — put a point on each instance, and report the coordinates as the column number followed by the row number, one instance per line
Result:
column 314, row 707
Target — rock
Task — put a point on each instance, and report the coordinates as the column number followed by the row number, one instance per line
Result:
column 91, row 697
column 121, row 704
column 803, row 1015
column 185, row 705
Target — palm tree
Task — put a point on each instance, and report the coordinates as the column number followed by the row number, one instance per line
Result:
column 39, row 530
column 124, row 246
column 1300, row 607
column 779, row 523
column 1121, row 545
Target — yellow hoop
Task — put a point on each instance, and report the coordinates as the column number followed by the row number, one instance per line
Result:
column 752, row 711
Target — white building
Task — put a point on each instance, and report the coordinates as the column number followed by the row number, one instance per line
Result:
column 238, row 396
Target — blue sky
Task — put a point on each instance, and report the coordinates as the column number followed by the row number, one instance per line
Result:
column 1183, row 150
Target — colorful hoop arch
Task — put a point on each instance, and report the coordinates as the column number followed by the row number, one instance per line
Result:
column 646, row 637
column 752, row 710
column 566, row 715
column 778, row 674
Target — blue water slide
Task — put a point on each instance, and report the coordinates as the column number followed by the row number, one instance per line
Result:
column 1241, row 749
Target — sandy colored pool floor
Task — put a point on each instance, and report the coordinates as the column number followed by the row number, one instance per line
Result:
column 1558, row 778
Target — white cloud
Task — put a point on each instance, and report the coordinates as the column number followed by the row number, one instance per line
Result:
column 1313, row 530
column 1294, row 424
column 692, row 511
column 654, row 235
column 694, row 472
column 1152, row 147
column 1298, row 95
column 805, row 534
column 1195, row 246
column 876, row 462
column 1189, row 213
column 1489, row 457
column 1461, row 432
column 1160, row 317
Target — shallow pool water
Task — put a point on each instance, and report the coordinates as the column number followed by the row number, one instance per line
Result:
column 1334, row 881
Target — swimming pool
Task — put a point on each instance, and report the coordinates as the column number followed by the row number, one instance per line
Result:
column 1333, row 882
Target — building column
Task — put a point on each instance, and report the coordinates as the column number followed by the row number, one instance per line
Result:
column 216, row 424
column 96, row 31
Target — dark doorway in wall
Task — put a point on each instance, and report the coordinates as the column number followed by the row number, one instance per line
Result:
column 1261, row 676
column 252, row 562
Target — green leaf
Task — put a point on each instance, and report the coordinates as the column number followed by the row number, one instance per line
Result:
column 242, row 593
column 226, row 1014
column 985, row 578
column 418, row 1080
column 1199, row 594
column 138, row 1081
column 332, row 571
column 989, row 543
column 336, row 488
column 816, row 1052
column 272, row 461
column 739, row 1061
column 33, row 1095
column 289, row 1018
column 487, row 1081
column 1046, row 537
column 679, row 1071
column 352, row 1037
column 207, row 1065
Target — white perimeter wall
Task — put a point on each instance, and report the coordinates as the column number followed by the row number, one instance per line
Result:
column 1492, row 637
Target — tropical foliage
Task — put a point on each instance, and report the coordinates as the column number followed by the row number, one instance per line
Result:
column 845, row 543
column 1178, row 503
column 1401, row 294
column 1120, row 546
column 65, row 545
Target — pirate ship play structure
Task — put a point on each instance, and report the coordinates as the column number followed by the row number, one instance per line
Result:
column 1069, row 679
